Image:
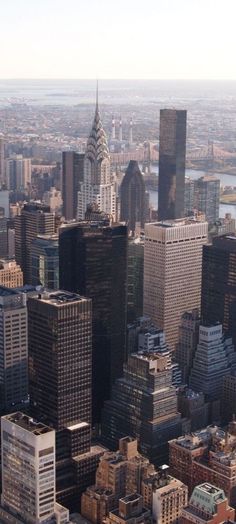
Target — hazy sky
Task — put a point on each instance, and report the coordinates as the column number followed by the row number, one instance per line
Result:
column 118, row 39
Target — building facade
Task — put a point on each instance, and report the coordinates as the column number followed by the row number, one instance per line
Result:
column 10, row 273
column 219, row 283
column 35, row 219
column 72, row 177
column 135, row 278
column 45, row 261
column 187, row 343
column 172, row 152
column 28, row 473
column 209, row 505
column 143, row 405
column 132, row 197
column 172, row 272
column 13, row 350
column 97, row 186
column 93, row 262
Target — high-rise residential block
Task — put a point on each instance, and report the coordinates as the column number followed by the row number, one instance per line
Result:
column 187, row 342
column 18, row 173
column 143, row 405
column 135, row 278
column 97, row 186
column 13, row 349
column 132, row 197
column 172, row 272
column 72, row 177
column 10, row 273
column 172, row 152
column 208, row 504
column 45, row 261
column 35, row 219
column 93, row 262
column 28, row 473
column 219, row 283
column 207, row 455
column 207, row 197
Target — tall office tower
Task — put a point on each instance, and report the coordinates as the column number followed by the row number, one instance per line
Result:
column 208, row 505
column 60, row 377
column 13, row 349
column 212, row 361
column 3, row 237
column 207, row 197
column 146, row 388
column 219, row 283
column 4, row 202
column 28, row 473
column 172, row 151
column 93, row 262
column 132, row 197
column 53, row 199
column 60, row 327
column 2, row 163
column 97, row 186
column 10, row 273
column 18, row 172
column 35, row 219
column 189, row 192
column 135, row 278
column 45, row 261
column 193, row 408
column 172, row 272
column 72, row 177
column 187, row 342
column 228, row 400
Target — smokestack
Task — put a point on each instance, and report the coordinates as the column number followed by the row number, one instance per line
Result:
column 113, row 133
column 131, row 131
column 120, row 131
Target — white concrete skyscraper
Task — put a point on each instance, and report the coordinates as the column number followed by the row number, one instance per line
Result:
column 97, row 187
column 172, row 272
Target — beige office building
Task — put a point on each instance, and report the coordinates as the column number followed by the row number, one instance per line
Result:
column 10, row 273
column 173, row 271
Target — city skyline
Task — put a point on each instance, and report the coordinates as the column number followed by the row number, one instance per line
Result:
column 170, row 40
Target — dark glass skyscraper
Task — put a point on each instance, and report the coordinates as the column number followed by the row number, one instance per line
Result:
column 132, row 197
column 172, row 153
column 35, row 219
column 72, row 176
column 219, row 283
column 93, row 262
column 45, row 261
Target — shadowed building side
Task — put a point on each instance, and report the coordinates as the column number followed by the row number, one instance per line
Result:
column 132, row 197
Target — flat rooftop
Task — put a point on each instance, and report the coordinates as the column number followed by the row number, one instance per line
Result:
column 188, row 221
column 28, row 423
column 209, row 488
column 59, row 298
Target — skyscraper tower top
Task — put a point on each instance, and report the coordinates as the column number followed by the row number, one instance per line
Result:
column 97, row 146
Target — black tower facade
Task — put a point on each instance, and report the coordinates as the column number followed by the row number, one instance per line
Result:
column 219, row 283
column 132, row 197
column 93, row 262
column 172, row 152
column 72, row 176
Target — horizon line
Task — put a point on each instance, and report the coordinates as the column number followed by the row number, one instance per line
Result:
column 7, row 79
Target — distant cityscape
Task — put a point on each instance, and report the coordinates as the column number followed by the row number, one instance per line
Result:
column 117, row 302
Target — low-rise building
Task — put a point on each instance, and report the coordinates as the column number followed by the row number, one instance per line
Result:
column 208, row 504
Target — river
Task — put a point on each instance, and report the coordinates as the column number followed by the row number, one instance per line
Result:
column 226, row 180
